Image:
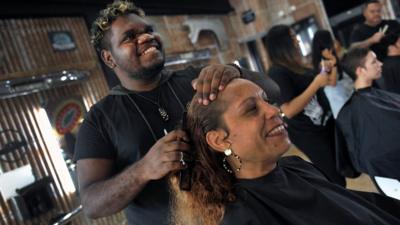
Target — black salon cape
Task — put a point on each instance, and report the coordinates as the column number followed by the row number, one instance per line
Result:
column 295, row 192
column 368, row 134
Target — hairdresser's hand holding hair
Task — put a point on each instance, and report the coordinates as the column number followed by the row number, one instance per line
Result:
column 164, row 156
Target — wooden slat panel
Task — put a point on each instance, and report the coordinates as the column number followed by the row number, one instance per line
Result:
column 28, row 50
column 10, row 48
column 6, row 64
column 29, row 53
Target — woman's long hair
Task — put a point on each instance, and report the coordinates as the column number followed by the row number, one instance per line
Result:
column 212, row 186
column 282, row 50
column 323, row 40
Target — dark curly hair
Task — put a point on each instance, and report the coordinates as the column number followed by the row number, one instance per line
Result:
column 106, row 17
column 212, row 186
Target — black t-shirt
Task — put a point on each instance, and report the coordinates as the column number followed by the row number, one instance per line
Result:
column 391, row 73
column 362, row 32
column 114, row 129
column 317, row 112
column 295, row 192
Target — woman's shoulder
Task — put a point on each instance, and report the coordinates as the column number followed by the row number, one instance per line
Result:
column 292, row 161
column 300, row 166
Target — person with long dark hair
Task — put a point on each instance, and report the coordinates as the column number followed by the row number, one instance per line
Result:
column 341, row 85
column 311, row 125
column 238, row 175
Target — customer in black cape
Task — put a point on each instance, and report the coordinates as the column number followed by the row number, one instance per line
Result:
column 239, row 177
column 368, row 125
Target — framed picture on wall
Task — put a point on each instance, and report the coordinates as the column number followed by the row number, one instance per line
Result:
column 62, row 40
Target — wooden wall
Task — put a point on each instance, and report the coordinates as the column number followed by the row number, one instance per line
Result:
column 26, row 51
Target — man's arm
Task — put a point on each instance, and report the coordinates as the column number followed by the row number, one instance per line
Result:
column 103, row 193
column 369, row 41
column 297, row 104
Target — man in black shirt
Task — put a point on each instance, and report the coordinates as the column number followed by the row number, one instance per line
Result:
column 368, row 125
column 370, row 33
column 128, row 144
column 391, row 63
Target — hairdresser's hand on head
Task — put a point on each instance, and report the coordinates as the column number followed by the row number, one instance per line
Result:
column 165, row 155
column 213, row 79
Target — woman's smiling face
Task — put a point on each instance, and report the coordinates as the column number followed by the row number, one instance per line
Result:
column 256, row 131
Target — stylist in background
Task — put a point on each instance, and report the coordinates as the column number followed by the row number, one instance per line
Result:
column 309, row 117
column 374, row 28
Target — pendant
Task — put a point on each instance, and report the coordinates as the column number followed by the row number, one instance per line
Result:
column 163, row 113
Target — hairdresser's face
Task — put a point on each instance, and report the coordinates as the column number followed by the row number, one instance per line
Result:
column 256, row 132
column 372, row 13
column 373, row 67
column 135, row 49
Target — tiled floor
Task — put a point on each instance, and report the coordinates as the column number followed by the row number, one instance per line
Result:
column 361, row 183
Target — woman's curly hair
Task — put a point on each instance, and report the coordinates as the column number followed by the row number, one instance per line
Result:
column 106, row 17
column 212, row 186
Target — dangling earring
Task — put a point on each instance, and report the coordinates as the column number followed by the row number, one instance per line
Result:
column 228, row 152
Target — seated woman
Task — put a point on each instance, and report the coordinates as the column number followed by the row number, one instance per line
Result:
column 238, row 176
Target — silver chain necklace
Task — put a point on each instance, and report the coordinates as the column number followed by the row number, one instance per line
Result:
column 144, row 117
column 163, row 113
